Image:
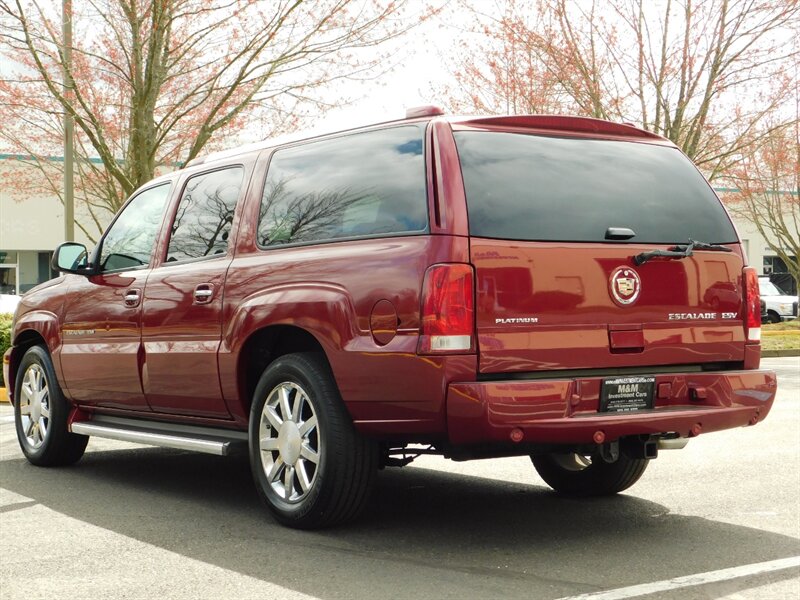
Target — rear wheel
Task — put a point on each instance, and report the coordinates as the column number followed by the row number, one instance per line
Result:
column 41, row 413
column 574, row 474
column 311, row 467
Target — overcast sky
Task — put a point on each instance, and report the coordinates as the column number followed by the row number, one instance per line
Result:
column 418, row 63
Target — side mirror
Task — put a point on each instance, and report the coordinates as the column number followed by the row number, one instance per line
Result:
column 71, row 257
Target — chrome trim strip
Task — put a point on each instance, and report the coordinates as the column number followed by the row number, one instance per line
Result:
column 201, row 432
column 152, row 439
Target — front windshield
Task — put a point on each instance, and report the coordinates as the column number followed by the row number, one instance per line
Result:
column 767, row 288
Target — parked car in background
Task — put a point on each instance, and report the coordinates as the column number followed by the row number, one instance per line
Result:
column 780, row 305
column 567, row 289
column 8, row 303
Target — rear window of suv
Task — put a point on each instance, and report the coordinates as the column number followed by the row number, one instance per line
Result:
column 532, row 187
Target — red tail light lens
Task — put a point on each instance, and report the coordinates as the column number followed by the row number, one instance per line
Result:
column 448, row 313
column 752, row 305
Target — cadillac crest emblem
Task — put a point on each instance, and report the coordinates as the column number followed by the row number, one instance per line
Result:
column 625, row 285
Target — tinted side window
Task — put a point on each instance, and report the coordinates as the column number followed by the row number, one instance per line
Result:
column 357, row 185
column 203, row 221
column 131, row 240
column 528, row 187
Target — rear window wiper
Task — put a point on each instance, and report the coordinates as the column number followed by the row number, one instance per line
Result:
column 679, row 251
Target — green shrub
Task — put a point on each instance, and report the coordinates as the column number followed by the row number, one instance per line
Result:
column 5, row 339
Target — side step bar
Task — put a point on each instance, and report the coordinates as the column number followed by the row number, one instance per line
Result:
column 220, row 442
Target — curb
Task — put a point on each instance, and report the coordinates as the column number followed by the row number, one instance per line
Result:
column 3, row 395
column 780, row 353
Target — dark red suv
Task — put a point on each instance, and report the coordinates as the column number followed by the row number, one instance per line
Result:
column 564, row 288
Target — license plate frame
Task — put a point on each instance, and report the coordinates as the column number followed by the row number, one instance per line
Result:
column 627, row 394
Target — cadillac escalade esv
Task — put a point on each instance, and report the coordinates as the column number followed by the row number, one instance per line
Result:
column 564, row 288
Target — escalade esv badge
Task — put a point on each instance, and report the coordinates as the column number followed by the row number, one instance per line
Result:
column 625, row 285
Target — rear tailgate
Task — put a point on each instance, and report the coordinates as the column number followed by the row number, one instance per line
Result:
column 554, row 292
column 543, row 305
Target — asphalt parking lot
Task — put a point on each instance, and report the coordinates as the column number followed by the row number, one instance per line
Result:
column 136, row 522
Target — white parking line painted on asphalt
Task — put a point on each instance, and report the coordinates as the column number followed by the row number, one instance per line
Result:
column 7, row 419
column 691, row 580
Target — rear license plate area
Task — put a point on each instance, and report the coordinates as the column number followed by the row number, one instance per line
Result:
column 627, row 394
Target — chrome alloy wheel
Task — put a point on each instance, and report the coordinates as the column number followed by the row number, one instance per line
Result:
column 34, row 408
column 289, row 441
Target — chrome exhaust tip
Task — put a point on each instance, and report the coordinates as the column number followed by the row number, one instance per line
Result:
column 672, row 443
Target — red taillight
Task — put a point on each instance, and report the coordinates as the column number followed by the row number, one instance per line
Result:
column 448, row 313
column 752, row 305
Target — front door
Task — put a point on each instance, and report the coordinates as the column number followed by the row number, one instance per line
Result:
column 101, row 331
column 182, row 322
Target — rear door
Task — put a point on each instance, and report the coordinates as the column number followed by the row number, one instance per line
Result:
column 182, row 320
column 557, row 286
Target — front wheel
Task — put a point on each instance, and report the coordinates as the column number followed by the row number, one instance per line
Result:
column 311, row 467
column 41, row 413
column 574, row 474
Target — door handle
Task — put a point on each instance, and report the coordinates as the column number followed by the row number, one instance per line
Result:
column 132, row 298
column 203, row 293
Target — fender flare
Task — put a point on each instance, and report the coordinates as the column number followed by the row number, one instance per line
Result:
column 326, row 311
column 45, row 324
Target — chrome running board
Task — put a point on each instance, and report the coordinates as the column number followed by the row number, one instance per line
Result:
column 210, row 441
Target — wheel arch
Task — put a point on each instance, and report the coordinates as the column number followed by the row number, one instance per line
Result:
column 262, row 347
column 33, row 328
column 291, row 317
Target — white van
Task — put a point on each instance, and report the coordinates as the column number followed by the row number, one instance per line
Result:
column 780, row 306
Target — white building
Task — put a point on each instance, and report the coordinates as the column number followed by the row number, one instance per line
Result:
column 30, row 229
column 761, row 256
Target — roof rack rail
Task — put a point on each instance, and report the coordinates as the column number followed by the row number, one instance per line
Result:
column 416, row 112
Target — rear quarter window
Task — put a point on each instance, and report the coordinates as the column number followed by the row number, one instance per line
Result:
column 360, row 185
column 532, row 187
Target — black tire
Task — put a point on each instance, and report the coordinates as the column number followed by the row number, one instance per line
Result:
column 570, row 475
column 773, row 317
column 336, row 487
column 55, row 446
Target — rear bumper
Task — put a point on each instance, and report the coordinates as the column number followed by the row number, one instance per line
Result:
column 565, row 411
